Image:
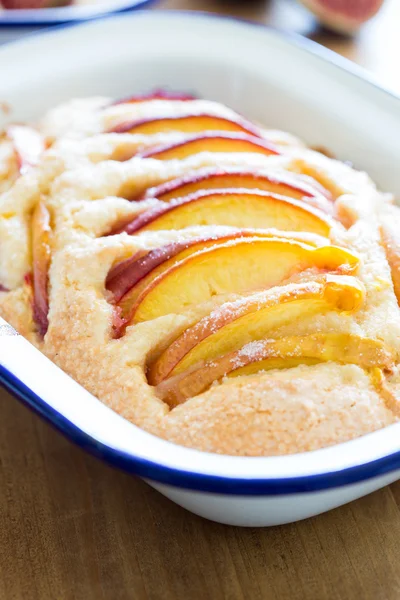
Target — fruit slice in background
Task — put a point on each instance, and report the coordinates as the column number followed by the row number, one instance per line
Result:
column 297, row 187
column 28, row 143
column 343, row 16
column 235, row 208
column 194, row 123
column 390, row 234
column 210, row 142
column 236, row 266
column 283, row 353
column 41, row 257
column 159, row 94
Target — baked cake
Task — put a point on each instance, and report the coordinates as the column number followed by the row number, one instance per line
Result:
column 216, row 283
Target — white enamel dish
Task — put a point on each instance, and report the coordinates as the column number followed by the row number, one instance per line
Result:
column 272, row 78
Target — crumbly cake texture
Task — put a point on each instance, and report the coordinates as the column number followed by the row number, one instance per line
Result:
column 98, row 172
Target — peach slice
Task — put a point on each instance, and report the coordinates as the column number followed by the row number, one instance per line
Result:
column 234, row 324
column 317, row 174
column 41, row 256
column 129, row 278
column 235, row 208
column 127, row 273
column 28, row 143
column 285, row 184
column 236, row 266
column 210, row 142
column 156, row 95
column 390, row 393
column 390, row 234
column 192, row 123
column 269, row 354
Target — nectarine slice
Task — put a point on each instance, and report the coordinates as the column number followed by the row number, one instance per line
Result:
column 210, row 142
column 128, row 272
column 285, row 184
column 156, row 95
column 390, row 233
column 234, row 324
column 128, row 279
column 41, row 257
column 28, row 143
column 236, row 266
column 390, row 393
column 233, row 207
column 190, row 123
column 263, row 355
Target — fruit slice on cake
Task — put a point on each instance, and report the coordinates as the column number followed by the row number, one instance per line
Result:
column 189, row 123
column 284, row 184
column 282, row 353
column 234, row 324
column 210, row 142
column 41, row 257
column 390, row 233
column 235, row 208
column 28, row 143
column 388, row 389
column 129, row 278
column 236, row 266
column 156, row 95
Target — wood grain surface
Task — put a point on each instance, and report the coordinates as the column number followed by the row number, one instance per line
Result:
column 72, row 528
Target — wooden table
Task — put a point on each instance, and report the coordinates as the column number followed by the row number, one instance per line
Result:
column 73, row 529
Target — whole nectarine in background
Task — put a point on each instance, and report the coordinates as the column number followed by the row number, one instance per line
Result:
column 29, row 4
column 343, row 16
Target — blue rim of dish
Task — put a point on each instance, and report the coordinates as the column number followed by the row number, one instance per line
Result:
column 192, row 480
column 200, row 481
column 67, row 15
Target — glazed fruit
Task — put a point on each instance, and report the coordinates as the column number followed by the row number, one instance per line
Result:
column 194, row 123
column 129, row 278
column 237, row 266
column 285, row 184
column 41, row 257
column 128, row 273
column 232, row 325
column 269, row 354
column 235, row 208
column 211, row 142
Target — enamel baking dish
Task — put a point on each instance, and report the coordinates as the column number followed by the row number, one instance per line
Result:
column 284, row 83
